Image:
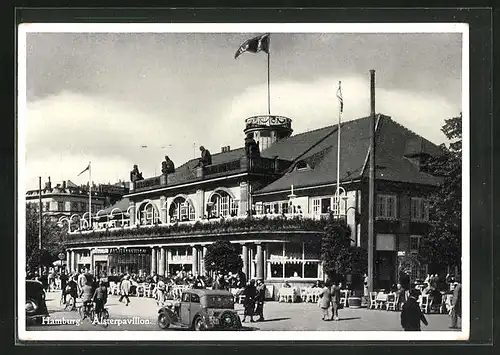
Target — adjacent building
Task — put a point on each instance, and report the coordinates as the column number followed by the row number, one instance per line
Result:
column 67, row 199
column 270, row 204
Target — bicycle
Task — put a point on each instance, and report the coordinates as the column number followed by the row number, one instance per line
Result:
column 103, row 317
column 70, row 303
column 87, row 311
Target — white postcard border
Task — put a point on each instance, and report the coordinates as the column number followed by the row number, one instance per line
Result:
column 159, row 335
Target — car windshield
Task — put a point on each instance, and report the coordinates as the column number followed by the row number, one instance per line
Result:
column 220, row 301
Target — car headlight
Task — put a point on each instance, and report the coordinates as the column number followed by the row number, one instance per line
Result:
column 30, row 306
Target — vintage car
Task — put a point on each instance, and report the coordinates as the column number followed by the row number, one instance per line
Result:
column 35, row 301
column 201, row 309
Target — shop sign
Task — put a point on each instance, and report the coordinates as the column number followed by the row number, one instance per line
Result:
column 128, row 251
column 101, row 251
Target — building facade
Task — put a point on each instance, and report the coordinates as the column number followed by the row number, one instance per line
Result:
column 271, row 203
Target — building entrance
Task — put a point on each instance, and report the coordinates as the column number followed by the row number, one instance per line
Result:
column 385, row 265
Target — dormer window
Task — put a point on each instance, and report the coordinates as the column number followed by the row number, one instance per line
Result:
column 302, row 165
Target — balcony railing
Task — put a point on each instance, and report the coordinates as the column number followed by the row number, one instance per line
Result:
column 268, row 121
column 147, row 183
column 256, row 165
column 261, row 223
column 222, row 168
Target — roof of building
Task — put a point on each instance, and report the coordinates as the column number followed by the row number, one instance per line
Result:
column 318, row 149
column 122, row 204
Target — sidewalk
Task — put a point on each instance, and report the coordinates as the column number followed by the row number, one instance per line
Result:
column 279, row 316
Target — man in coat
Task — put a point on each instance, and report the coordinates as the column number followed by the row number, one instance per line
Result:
column 259, row 300
column 411, row 315
column 125, row 289
column 456, row 310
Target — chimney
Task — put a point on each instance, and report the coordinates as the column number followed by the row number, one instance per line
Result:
column 49, row 184
column 64, row 184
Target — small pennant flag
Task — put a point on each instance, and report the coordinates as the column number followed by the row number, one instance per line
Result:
column 84, row 170
column 341, row 100
column 254, row 45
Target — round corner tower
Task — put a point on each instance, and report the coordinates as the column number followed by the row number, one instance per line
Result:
column 267, row 129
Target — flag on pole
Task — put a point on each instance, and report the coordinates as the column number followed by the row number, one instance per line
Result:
column 341, row 100
column 254, row 45
column 84, row 170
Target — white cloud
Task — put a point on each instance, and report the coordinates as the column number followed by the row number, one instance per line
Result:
column 314, row 105
column 67, row 130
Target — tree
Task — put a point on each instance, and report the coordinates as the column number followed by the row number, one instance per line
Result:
column 336, row 249
column 53, row 239
column 222, row 257
column 442, row 246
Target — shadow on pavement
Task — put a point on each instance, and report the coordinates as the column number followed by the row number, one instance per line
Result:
column 272, row 320
column 351, row 318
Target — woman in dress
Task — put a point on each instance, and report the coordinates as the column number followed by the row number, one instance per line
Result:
column 325, row 300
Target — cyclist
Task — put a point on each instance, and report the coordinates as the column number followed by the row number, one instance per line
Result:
column 87, row 294
column 100, row 298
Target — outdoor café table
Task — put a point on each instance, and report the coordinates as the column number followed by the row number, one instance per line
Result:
column 310, row 294
column 287, row 294
column 381, row 300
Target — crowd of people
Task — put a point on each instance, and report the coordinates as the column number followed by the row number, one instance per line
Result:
column 92, row 289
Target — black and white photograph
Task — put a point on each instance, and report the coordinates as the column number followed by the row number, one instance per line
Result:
column 271, row 181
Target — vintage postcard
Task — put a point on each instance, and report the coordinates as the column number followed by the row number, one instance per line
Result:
column 274, row 181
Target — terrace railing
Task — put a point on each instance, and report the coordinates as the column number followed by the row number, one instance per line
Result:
column 255, row 165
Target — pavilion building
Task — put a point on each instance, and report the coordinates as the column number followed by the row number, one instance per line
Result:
column 271, row 206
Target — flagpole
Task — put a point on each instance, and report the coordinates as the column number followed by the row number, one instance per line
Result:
column 268, row 82
column 338, row 155
column 90, row 196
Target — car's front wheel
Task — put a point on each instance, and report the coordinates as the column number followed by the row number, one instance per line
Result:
column 163, row 321
column 198, row 324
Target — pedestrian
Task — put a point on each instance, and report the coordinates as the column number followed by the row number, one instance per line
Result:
column 456, row 304
column 412, row 315
column 51, row 280
column 219, row 283
column 325, row 300
column 400, row 296
column 100, row 298
column 249, row 303
column 72, row 290
column 64, row 281
column 125, row 289
column 335, row 294
column 87, row 295
column 81, row 281
column 160, row 294
column 259, row 300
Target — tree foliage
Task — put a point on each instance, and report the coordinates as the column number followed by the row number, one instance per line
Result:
column 338, row 256
column 442, row 246
column 53, row 238
column 222, row 257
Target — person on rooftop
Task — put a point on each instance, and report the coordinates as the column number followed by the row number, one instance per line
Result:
column 206, row 157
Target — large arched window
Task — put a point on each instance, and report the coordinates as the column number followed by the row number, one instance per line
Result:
column 148, row 214
column 223, row 205
column 181, row 210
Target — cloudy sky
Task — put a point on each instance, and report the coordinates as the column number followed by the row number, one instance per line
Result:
column 100, row 97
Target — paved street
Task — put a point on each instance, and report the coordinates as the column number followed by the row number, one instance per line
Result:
column 141, row 313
